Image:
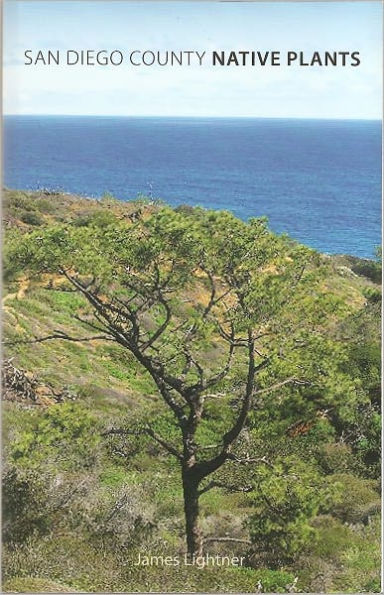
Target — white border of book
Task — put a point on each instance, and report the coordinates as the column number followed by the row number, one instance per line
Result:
column 382, row 186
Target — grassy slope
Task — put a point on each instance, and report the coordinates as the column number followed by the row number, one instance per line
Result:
column 111, row 385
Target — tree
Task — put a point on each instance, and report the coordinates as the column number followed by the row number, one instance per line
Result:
column 212, row 308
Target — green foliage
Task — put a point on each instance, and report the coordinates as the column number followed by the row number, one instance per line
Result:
column 108, row 199
column 363, row 429
column 364, row 362
column 46, row 206
column 97, row 219
column 271, row 282
column 31, row 218
column 24, row 504
column 64, row 432
column 319, row 430
column 359, row 498
column 342, row 558
column 373, row 295
column 336, row 458
column 287, row 499
column 371, row 269
column 114, row 477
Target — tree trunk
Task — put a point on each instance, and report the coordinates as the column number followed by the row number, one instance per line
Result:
column 191, row 509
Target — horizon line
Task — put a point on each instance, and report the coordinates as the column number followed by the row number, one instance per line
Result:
column 249, row 117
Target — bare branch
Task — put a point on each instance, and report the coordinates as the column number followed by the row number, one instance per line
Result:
column 213, row 395
column 163, row 326
column 59, row 335
column 292, row 380
column 88, row 323
column 229, row 338
column 224, row 539
column 145, row 431
column 220, row 375
column 232, row 435
column 228, row 488
column 210, row 446
column 213, row 292
column 189, row 362
column 61, row 289
column 207, row 467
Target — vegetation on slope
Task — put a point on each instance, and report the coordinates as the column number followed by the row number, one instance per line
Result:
column 80, row 504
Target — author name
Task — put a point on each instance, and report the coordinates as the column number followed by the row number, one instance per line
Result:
column 187, row 560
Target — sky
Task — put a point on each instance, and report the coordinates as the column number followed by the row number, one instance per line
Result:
column 269, row 92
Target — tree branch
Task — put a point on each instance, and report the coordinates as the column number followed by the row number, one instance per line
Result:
column 162, row 327
column 292, row 380
column 145, row 431
column 229, row 488
column 59, row 335
column 205, row 468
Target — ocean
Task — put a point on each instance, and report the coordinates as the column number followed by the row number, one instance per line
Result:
column 317, row 180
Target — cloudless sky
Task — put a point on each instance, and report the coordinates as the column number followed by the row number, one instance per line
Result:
column 318, row 92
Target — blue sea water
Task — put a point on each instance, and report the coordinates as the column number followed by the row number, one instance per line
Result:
column 317, row 180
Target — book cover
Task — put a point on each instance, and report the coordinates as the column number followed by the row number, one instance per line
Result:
column 191, row 307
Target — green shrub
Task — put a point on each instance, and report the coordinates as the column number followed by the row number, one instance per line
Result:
column 24, row 504
column 343, row 558
column 16, row 201
column 373, row 294
column 287, row 499
column 31, row 218
column 31, row 584
column 96, row 219
column 359, row 498
column 371, row 269
column 65, row 433
column 45, row 206
column 336, row 458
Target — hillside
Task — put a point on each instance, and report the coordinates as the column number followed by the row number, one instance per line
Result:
column 81, row 504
